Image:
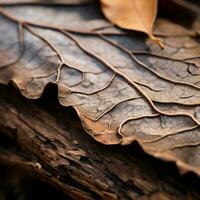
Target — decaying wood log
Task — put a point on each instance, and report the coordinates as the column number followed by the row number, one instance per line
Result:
column 50, row 143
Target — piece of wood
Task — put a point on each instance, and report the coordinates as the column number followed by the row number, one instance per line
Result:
column 54, row 147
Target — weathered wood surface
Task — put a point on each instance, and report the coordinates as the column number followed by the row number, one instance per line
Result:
column 50, row 143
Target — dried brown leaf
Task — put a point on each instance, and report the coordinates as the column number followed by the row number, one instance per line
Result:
column 136, row 15
column 121, row 92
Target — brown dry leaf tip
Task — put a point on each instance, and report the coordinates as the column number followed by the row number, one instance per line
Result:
column 157, row 41
column 138, row 15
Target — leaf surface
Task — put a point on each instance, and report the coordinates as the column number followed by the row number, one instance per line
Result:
column 123, row 88
column 67, row 2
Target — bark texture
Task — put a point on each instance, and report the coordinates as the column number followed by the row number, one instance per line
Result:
column 49, row 142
